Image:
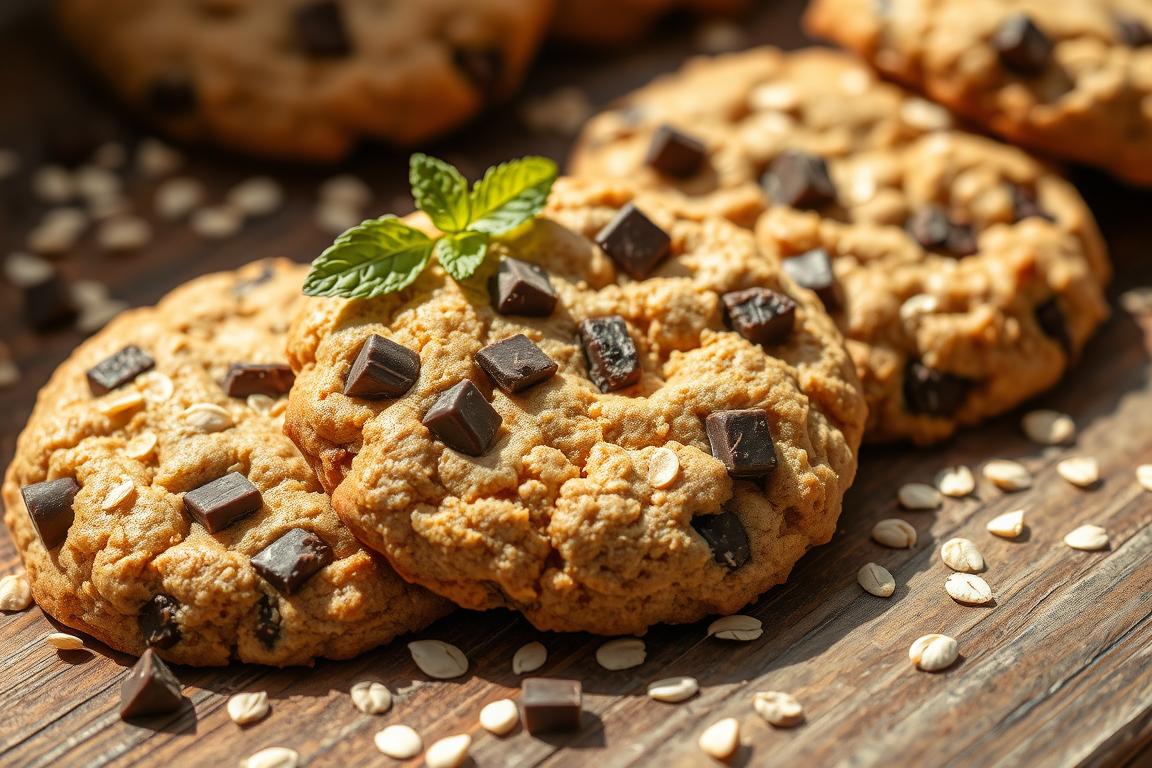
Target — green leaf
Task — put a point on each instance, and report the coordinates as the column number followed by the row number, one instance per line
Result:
column 462, row 254
column 511, row 194
column 378, row 256
column 440, row 191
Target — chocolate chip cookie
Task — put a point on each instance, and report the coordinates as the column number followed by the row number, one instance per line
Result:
column 965, row 274
column 157, row 503
column 1069, row 77
column 625, row 417
column 614, row 22
column 307, row 78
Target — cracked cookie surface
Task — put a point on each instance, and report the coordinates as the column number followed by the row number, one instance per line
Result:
column 133, row 569
column 307, row 79
column 576, row 515
column 1069, row 77
column 966, row 275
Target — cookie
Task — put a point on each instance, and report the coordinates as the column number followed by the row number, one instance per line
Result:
column 603, row 437
column 965, row 274
column 305, row 79
column 615, row 22
column 1069, row 77
column 157, row 503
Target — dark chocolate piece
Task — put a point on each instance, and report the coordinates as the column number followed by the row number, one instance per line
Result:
column 634, row 242
column 931, row 392
column 292, row 559
column 1051, row 320
column 150, row 689
column 760, row 315
column 613, row 362
column 676, row 154
column 222, row 502
column 157, row 621
column 813, row 270
column 49, row 505
column 267, row 622
column 483, row 67
column 245, row 379
column 463, row 420
column 48, row 303
column 799, row 180
column 551, row 705
column 742, row 441
column 933, row 230
column 119, row 369
column 383, row 369
column 320, row 31
column 1131, row 31
column 520, row 288
column 171, row 95
column 515, row 364
column 726, row 537
column 1022, row 46
column 1026, row 206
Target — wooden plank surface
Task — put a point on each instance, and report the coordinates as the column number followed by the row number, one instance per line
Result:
column 1057, row 673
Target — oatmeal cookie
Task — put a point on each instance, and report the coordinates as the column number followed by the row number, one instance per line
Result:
column 1069, row 77
column 307, row 78
column 965, row 274
column 157, row 503
column 625, row 417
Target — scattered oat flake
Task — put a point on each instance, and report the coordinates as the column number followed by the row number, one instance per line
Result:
column 1089, row 538
column 178, row 197
column 500, row 717
column 450, row 752
column 438, row 659
column 53, row 184
column 933, row 653
column 721, row 739
column 673, row 690
column 140, row 446
column 622, row 653
column 155, row 158
column 155, row 386
column 371, row 697
column 1137, row 301
column 110, row 155
column 894, row 533
column 94, row 317
column 119, row 402
column 217, row 222
column 736, row 627
column 118, row 494
column 399, row 741
column 15, row 592
column 919, row 496
column 64, row 642
column 257, row 196
column 273, row 757
column 346, row 189
column 721, row 37
column 876, row 580
column 245, row 708
column 97, row 184
column 955, row 481
column 9, row 374
column 968, row 588
column 1008, row 525
column 529, row 657
column 336, row 217
column 663, row 468
column 1144, row 476
column 23, row 270
column 207, row 417
column 1081, row 471
column 1008, row 475
column 1048, row 427
column 9, row 163
column 778, row 708
column 962, row 555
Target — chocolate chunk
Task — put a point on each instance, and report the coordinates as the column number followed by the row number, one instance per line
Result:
column 634, row 242
column 742, row 441
column 1051, row 320
column 171, row 95
column 676, row 154
column 930, row 392
column 267, row 622
column 551, row 705
column 150, row 689
column 813, row 270
column 463, row 419
column 245, row 379
column 48, row 303
column 613, row 362
column 760, row 315
column 1022, row 46
column 933, row 230
column 799, row 180
column 222, row 502
column 515, row 364
column 157, row 621
column 1131, row 31
column 483, row 68
column 383, row 369
column 49, row 505
column 520, row 288
column 726, row 537
column 319, row 28
column 292, row 559
column 1026, row 206
column 119, row 369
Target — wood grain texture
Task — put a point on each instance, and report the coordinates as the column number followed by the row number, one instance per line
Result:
column 1058, row 672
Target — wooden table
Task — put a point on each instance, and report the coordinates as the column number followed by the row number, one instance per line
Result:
column 1057, row 673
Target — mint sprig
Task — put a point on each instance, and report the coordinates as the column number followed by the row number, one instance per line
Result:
column 385, row 255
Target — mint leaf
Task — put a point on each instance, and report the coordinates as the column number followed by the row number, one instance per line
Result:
column 376, row 257
column 440, row 191
column 461, row 254
column 511, row 194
